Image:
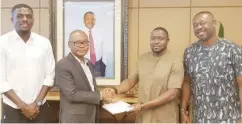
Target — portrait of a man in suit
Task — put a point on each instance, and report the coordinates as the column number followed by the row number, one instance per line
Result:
column 96, row 19
column 95, row 53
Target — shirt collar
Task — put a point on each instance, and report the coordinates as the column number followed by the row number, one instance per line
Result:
column 88, row 30
column 17, row 37
column 82, row 62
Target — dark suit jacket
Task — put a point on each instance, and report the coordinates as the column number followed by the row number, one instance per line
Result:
column 78, row 103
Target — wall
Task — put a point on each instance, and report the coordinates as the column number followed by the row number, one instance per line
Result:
column 176, row 16
column 41, row 15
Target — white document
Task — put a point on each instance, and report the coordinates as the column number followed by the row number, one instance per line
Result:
column 118, row 107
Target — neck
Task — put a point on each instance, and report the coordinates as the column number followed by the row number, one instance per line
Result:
column 158, row 54
column 24, row 35
column 81, row 58
column 210, row 41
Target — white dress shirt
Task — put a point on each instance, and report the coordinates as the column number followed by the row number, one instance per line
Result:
column 87, row 71
column 98, row 44
column 25, row 67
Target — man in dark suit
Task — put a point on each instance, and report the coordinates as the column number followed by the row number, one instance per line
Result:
column 96, row 53
column 79, row 96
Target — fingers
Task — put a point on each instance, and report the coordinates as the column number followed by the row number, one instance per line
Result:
column 34, row 116
column 108, row 94
column 31, row 114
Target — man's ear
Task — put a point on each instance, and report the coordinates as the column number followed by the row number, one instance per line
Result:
column 69, row 44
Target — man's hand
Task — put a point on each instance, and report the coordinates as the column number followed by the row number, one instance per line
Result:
column 185, row 118
column 136, row 109
column 30, row 111
column 108, row 94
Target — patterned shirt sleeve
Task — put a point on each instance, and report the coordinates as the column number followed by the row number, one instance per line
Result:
column 236, row 54
column 185, row 62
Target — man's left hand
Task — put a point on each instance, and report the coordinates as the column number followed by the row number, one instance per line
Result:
column 136, row 109
column 33, row 106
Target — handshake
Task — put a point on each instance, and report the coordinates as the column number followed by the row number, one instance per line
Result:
column 108, row 94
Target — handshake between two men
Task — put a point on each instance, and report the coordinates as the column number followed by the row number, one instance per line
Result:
column 108, row 94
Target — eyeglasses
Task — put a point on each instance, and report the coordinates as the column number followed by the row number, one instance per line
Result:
column 78, row 43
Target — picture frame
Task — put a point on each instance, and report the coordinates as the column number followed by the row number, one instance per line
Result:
column 120, row 35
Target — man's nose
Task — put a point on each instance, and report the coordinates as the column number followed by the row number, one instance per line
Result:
column 24, row 18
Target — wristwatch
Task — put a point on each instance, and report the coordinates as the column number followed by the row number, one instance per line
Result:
column 38, row 103
column 183, row 112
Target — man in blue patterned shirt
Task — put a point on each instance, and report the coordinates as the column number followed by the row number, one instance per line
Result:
column 213, row 75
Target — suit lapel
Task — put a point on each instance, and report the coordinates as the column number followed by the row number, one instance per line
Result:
column 80, row 70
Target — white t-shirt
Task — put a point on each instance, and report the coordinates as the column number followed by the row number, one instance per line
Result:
column 25, row 67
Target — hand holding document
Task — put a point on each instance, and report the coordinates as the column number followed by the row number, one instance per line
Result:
column 118, row 107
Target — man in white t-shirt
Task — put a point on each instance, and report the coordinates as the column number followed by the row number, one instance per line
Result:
column 26, row 70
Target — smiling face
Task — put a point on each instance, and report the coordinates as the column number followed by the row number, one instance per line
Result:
column 204, row 26
column 158, row 41
column 22, row 19
column 78, row 43
column 89, row 20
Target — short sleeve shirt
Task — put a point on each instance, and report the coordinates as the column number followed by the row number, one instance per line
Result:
column 213, row 71
column 156, row 76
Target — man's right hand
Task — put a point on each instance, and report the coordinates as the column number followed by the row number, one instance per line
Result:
column 108, row 94
column 185, row 118
column 30, row 111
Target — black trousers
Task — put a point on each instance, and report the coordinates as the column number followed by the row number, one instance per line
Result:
column 99, row 68
column 12, row 115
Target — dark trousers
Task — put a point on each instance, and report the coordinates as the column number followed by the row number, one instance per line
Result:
column 12, row 115
column 99, row 68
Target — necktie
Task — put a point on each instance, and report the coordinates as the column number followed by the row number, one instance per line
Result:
column 92, row 50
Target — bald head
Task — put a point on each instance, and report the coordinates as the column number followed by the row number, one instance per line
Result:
column 76, row 33
column 206, row 14
column 78, row 43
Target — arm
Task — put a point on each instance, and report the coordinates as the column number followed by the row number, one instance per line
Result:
column 239, row 81
column 5, row 87
column 49, row 74
column 236, row 59
column 174, row 85
column 67, row 87
column 128, row 84
column 186, row 93
column 163, row 99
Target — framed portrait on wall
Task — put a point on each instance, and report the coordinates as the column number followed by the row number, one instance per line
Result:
column 105, row 23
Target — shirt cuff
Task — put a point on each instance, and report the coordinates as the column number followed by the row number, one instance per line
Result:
column 5, row 87
column 48, row 82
